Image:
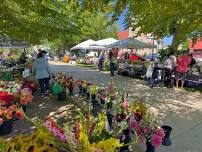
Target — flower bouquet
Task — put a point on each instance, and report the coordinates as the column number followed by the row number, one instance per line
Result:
column 8, row 113
column 148, row 131
column 30, row 84
column 70, row 85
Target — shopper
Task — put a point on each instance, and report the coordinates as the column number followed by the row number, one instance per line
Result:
column 101, row 61
column 112, row 60
column 183, row 62
column 42, row 72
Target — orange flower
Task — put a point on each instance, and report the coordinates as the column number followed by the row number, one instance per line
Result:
column 9, row 116
column 1, row 112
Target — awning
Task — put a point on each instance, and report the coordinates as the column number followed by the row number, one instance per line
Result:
column 87, row 45
column 131, row 43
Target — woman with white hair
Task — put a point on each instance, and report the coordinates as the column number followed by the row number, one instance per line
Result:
column 168, row 67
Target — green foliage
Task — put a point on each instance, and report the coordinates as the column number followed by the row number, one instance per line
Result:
column 162, row 18
column 60, row 23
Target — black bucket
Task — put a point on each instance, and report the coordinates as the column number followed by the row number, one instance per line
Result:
column 6, row 128
column 166, row 139
column 61, row 96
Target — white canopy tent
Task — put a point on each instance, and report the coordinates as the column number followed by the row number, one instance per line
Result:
column 87, row 45
column 105, row 42
column 131, row 43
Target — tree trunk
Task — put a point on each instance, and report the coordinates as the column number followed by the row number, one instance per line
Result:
column 175, row 42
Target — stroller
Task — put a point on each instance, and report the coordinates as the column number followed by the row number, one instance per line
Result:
column 154, row 75
column 160, row 76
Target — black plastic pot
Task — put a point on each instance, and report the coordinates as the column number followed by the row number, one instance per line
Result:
column 93, row 97
column 167, row 140
column 80, row 90
column 6, row 128
column 150, row 147
column 61, row 96
column 84, row 91
column 102, row 101
column 71, row 91
column 110, row 118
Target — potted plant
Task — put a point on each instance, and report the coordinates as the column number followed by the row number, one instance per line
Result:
column 148, row 132
column 9, row 112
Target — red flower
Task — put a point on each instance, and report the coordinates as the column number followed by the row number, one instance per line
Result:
column 19, row 114
column 77, row 131
column 6, row 97
column 92, row 126
column 86, row 115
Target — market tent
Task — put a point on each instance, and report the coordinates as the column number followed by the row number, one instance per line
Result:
column 131, row 43
column 17, row 45
column 105, row 42
column 87, row 45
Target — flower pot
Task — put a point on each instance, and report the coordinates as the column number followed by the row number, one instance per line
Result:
column 166, row 139
column 93, row 97
column 150, row 147
column 102, row 101
column 110, row 118
column 71, row 91
column 80, row 90
column 6, row 128
column 84, row 91
column 61, row 96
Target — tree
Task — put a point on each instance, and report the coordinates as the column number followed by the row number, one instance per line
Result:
column 177, row 18
column 68, row 21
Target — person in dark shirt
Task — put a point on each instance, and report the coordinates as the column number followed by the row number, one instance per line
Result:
column 193, row 61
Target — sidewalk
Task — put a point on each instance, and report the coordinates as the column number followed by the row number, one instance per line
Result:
column 178, row 108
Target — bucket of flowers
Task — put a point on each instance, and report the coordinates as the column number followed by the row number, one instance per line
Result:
column 93, row 91
column 148, row 131
column 84, row 87
column 25, row 97
column 30, row 84
column 101, row 95
column 9, row 112
column 71, row 84
column 138, row 109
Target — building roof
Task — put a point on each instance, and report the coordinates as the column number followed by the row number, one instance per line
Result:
column 196, row 46
column 123, row 34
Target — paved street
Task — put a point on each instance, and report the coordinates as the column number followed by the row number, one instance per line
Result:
column 178, row 108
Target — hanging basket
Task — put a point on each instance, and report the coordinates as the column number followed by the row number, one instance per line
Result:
column 6, row 128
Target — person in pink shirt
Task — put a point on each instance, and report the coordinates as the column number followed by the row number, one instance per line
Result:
column 183, row 62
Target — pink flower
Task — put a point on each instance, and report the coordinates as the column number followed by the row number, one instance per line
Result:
column 133, row 124
column 147, row 130
column 156, row 140
column 125, row 104
column 160, row 132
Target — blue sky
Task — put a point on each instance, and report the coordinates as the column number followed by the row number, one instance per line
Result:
column 166, row 40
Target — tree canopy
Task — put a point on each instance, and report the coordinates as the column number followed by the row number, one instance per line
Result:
column 178, row 18
column 67, row 21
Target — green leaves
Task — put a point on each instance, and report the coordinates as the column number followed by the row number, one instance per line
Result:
column 68, row 22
